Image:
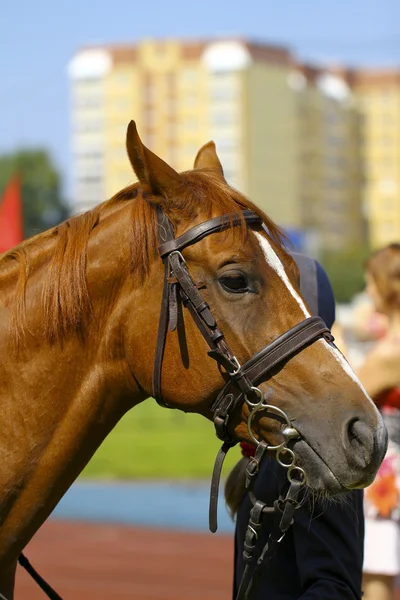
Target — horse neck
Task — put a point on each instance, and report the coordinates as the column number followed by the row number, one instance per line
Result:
column 61, row 399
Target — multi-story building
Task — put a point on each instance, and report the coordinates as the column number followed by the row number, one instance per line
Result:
column 288, row 135
column 378, row 94
column 181, row 95
column 329, row 157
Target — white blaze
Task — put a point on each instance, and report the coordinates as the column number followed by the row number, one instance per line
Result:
column 274, row 262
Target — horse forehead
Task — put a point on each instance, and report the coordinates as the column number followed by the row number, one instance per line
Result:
column 233, row 238
column 277, row 265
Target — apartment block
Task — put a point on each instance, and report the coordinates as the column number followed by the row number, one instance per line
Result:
column 290, row 136
column 378, row 96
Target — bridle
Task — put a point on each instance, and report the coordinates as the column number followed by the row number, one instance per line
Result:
column 181, row 290
column 241, row 385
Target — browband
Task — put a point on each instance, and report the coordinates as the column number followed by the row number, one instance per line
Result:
column 198, row 232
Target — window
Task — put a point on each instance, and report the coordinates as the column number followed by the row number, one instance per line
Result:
column 151, row 140
column 223, row 118
column 387, row 119
column 89, row 179
column 218, row 94
column 149, row 90
column 172, row 130
column 170, row 81
column 189, row 75
column 388, row 228
column 119, row 153
column 121, row 104
column 87, row 101
column 122, row 78
column 387, row 186
column 190, row 124
column 88, row 125
column 191, row 149
column 386, row 96
column 190, row 99
column 226, row 144
column 150, row 117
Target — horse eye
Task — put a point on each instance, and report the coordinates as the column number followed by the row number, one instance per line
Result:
column 235, row 283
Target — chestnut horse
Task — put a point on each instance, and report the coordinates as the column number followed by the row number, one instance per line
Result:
column 80, row 305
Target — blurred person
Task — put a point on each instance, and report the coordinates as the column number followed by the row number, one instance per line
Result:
column 321, row 555
column 380, row 374
column 367, row 323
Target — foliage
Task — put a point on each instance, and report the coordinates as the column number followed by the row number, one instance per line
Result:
column 346, row 271
column 43, row 206
column 152, row 442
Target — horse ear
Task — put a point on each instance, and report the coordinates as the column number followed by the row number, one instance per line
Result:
column 149, row 168
column 207, row 158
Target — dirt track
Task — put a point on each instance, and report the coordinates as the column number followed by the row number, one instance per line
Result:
column 105, row 562
column 112, row 562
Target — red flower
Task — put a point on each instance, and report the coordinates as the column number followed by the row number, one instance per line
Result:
column 383, row 494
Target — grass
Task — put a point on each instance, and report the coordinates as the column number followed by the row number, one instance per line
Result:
column 156, row 443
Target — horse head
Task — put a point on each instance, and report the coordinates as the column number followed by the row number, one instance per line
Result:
column 246, row 286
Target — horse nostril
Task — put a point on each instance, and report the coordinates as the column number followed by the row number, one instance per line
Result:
column 361, row 439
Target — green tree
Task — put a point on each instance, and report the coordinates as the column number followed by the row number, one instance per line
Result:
column 43, row 205
column 346, row 271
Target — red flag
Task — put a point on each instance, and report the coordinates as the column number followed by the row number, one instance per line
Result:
column 11, row 231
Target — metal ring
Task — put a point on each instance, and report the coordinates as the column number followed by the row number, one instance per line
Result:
column 238, row 367
column 253, row 531
column 303, row 478
column 284, row 450
column 251, row 434
column 254, row 404
column 256, row 409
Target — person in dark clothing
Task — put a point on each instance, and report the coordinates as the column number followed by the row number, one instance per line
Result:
column 321, row 555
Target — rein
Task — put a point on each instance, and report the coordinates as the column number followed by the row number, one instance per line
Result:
column 181, row 290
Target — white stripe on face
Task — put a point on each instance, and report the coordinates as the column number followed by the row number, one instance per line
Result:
column 274, row 262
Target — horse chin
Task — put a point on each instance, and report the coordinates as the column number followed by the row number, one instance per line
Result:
column 320, row 478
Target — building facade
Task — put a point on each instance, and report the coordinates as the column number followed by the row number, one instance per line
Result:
column 181, row 95
column 308, row 145
column 378, row 96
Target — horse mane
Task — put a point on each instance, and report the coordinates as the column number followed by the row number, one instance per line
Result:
column 66, row 301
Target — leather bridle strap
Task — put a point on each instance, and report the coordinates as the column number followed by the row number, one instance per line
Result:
column 42, row 583
column 198, row 232
column 165, row 232
column 179, row 286
column 284, row 509
column 263, row 365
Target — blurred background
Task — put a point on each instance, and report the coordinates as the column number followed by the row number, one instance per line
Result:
column 303, row 102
